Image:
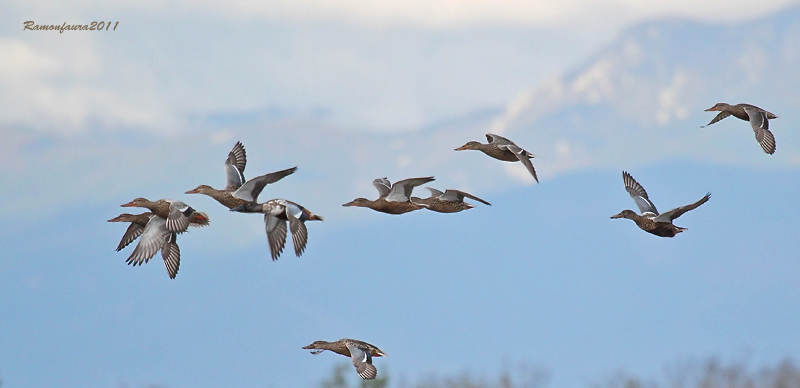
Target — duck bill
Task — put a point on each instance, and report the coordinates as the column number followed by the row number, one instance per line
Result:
column 193, row 191
column 309, row 347
column 713, row 108
column 351, row 203
column 617, row 216
column 462, row 148
column 129, row 204
column 116, row 219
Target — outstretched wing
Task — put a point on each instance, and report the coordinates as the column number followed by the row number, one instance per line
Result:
column 451, row 195
column 677, row 212
column 297, row 227
column 383, row 185
column 276, row 234
column 152, row 239
column 720, row 116
column 234, row 167
column 639, row 195
column 132, row 233
column 362, row 360
column 434, row 192
column 760, row 124
column 252, row 188
column 401, row 191
column 524, row 157
column 171, row 254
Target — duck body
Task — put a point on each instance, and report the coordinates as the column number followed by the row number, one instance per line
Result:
column 650, row 220
column 178, row 215
column 661, row 229
column 237, row 191
column 503, row 149
column 758, row 118
column 277, row 212
column 360, row 353
column 449, row 201
column 392, row 198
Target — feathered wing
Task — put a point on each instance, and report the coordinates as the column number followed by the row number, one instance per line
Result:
column 434, row 192
column 383, row 185
column 298, row 229
column 639, row 195
column 132, row 233
column 720, row 116
column 362, row 360
column 401, row 191
column 498, row 140
column 234, row 166
column 171, row 254
column 760, row 125
column 276, row 234
column 152, row 239
column 524, row 157
column 677, row 212
column 451, row 195
column 252, row 188
column 178, row 218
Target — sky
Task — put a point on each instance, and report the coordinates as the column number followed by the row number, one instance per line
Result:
column 350, row 91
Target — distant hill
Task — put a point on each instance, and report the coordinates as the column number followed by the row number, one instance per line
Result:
column 642, row 98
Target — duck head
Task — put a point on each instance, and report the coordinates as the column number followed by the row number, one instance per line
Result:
column 472, row 145
column 361, row 202
column 720, row 106
column 629, row 214
column 138, row 202
column 202, row 189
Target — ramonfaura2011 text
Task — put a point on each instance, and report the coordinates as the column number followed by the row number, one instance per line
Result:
column 95, row 26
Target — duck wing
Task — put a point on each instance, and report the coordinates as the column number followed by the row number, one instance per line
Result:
column 401, row 191
column 171, row 254
column 639, row 195
column 234, row 167
column 721, row 115
column 524, row 157
column 384, row 187
column 297, row 227
column 362, row 360
column 132, row 233
column 451, row 195
column 677, row 212
column 252, row 188
column 178, row 218
column 276, row 234
column 434, row 192
column 152, row 239
column 760, row 124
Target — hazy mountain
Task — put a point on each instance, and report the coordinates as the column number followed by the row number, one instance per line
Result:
column 642, row 98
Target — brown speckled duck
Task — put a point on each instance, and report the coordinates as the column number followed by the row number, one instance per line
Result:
column 650, row 220
column 393, row 198
column 360, row 353
column 237, row 192
column 451, row 201
column 503, row 149
column 175, row 212
column 758, row 118
column 276, row 214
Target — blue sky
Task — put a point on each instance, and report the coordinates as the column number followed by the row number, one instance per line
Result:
column 542, row 276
